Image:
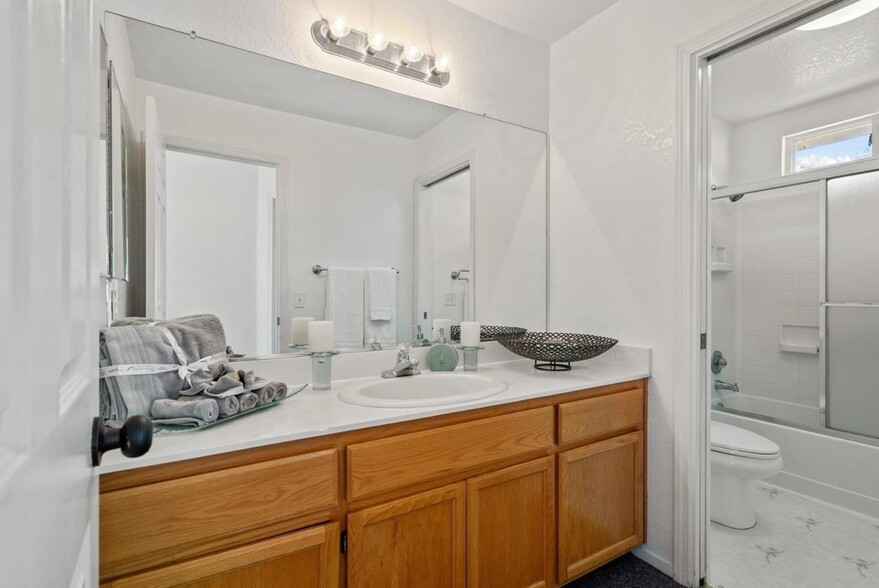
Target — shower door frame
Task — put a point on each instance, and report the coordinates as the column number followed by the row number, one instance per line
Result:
column 691, row 405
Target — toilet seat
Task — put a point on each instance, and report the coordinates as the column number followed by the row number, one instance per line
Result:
column 739, row 442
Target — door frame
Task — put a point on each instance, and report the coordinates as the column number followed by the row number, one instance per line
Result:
column 449, row 168
column 691, row 406
column 279, row 239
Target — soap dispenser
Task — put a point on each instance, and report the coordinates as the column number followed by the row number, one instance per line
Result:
column 442, row 357
column 419, row 340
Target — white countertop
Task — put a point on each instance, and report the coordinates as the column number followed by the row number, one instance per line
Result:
column 315, row 413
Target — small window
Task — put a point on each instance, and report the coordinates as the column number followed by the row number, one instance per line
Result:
column 831, row 145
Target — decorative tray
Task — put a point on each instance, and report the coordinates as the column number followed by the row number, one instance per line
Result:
column 172, row 429
column 555, row 351
column 489, row 332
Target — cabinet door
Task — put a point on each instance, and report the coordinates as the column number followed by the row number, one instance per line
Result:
column 511, row 527
column 417, row 542
column 304, row 559
column 601, row 503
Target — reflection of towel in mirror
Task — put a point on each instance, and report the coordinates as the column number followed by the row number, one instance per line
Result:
column 345, row 305
column 202, row 409
column 380, row 309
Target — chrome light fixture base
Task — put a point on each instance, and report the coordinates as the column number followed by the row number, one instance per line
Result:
column 355, row 45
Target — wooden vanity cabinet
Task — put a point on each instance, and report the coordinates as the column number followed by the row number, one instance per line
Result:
column 415, row 541
column 511, row 527
column 530, row 494
column 601, row 503
column 304, row 559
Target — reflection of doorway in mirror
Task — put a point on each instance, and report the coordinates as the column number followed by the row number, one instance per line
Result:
column 220, row 245
column 444, row 248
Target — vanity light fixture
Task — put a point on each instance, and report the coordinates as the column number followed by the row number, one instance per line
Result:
column 337, row 37
column 376, row 41
column 841, row 16
column 337, row 29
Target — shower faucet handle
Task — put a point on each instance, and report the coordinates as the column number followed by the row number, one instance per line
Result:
column 718, row 362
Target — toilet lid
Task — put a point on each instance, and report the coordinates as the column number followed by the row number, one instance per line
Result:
column 737, row 441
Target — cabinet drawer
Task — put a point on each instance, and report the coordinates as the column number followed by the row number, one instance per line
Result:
column 592, row 418
column 387, row 464
column 161, row 523
column 304, row 559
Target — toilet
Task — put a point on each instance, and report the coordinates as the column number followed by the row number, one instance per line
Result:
column 737, row 456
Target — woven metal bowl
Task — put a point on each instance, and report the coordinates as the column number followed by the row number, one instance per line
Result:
column 489, row 332
column 556, row 351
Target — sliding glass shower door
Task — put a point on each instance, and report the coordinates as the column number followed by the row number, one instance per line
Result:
column 852, row 304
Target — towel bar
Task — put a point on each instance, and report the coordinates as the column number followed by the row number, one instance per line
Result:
column 319, row 269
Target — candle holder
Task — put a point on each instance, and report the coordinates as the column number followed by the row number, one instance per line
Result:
column 471, row 357
column 298, row 348
column 322, row 369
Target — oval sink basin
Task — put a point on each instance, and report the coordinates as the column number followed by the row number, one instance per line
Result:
column 427, row 389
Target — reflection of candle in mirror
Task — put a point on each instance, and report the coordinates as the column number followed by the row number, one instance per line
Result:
column 320, row 336
column 445, row 325
column 299, row 326
column 470, row 335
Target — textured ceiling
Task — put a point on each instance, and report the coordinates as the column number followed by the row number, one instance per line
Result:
column 796, row 68
column 174, row 59
column 546, row 21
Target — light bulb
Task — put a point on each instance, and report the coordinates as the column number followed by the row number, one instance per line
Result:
column 442, row 64
column 338, row 29
column 843, row 15
column 376, row 41
column 411, row 54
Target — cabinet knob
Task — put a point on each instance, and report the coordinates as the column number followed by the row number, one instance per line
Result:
column 134, row 438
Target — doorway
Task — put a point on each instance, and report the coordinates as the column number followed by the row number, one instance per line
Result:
column 220, row 242
column 444, row 249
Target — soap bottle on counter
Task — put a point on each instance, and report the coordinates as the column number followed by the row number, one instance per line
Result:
column 419, row 340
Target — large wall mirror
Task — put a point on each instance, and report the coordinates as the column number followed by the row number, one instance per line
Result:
column 273, row 191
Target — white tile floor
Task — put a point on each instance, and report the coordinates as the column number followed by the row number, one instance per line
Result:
column 798, row 542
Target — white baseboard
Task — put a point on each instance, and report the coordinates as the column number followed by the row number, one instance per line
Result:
column 660, row 563
column 853, row 501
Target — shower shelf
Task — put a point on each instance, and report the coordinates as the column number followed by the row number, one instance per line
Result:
column 720, row 268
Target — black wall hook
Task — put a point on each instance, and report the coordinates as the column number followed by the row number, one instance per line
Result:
column 134, row 438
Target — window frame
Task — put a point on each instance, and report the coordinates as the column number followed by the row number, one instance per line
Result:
column 788, row 142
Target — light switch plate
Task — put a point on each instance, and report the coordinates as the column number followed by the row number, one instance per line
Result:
column 298, row 299
column 450, row 299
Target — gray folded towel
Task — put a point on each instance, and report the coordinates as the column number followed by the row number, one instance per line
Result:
column 266, row 394
column 204, row 409
column 134, row 341
column 248, row 400
column 227, row 385
column 228, row 405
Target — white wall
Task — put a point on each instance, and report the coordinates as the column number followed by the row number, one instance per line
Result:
column 756, row 151
column 613, row 101
column 342, row 204
column 495, row 71
column 510, row 175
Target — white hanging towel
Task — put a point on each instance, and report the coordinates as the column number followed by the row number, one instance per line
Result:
column 345, row 305
column 381, row 306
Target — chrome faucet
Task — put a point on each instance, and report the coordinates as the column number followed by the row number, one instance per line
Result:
column 406, row 366
column 729, row 387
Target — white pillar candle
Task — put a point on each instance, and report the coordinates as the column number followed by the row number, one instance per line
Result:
column 445, row 325
column 299, row 328
column 470, row 334
column 320, row 336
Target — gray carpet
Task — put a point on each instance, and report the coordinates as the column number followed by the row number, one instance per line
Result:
column 625, row 572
